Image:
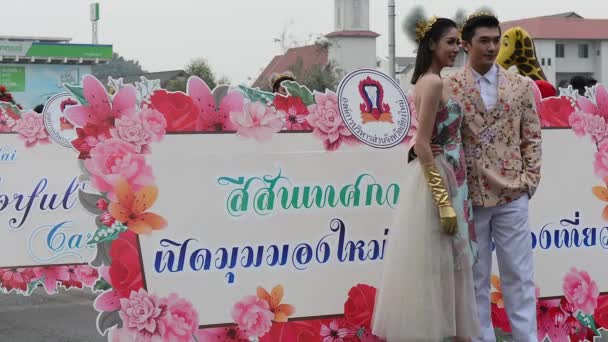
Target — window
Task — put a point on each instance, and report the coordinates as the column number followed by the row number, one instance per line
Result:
column 559, row 50
column 583, row 51
column 542, row 61
column 549, row 61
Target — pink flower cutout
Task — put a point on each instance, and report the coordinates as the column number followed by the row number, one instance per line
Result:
column 87, row 275
column 327, row 123
column 16, row 278
column 600, row 164
column 141, row 312
column 550, row 319
column 154, row 124
column 180, row 319
column 7, row 121
column 581, row 291
column 211, row 118
column 600, row 108
column 99, row 110
column 130, row 129
column 51, row 276
column 113, row 160
column 109, row 300
column 595, row 126
column 256, row 121
column 31, row 129
column 369, row 337
column 226, row 334
column 336, row 332
column 73, row 278
column 578, row 122
column 253, row 315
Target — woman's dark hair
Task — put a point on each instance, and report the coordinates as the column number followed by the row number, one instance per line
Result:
column 424, row 56
column 486, row 20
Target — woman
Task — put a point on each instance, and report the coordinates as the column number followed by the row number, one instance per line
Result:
column 427, row 291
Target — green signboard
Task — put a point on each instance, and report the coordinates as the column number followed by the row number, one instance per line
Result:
column 70, row 51
column 55, row 50
column 13, row 77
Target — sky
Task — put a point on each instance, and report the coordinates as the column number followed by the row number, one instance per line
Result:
column 237, row 37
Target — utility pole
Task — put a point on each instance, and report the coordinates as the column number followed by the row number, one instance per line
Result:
column 94, row 21
column 391, row 39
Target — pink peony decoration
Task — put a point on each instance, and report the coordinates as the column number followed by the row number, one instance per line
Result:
column 581, row 291
column 253, row 315
column 600, row 164
column 180, row 320
column 31, row 129
column 578, row 122
column 257, row 121
column 327, row 123
column 154, row 124
column 141, row 312
column 130, row 129
column 114, row 159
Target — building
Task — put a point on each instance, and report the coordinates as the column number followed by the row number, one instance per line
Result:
column 349, row 47
column 352, row 45
column 304, row 57
column 404, row 66
column 568, row 45
column 35, row 68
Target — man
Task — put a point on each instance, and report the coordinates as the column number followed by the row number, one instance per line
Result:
column 502, row 142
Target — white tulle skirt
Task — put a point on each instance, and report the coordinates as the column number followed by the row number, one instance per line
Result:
column 427, row 291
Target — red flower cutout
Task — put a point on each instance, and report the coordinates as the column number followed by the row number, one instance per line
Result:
column 555, row 111
column 294, row 112
column 178, row 108
column 359, row 306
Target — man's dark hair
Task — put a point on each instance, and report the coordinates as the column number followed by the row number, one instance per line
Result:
column 468, row 30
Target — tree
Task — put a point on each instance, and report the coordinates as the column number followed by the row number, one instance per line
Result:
column 224, row 81
column 117, row 67
column 176, row 85
column 317, row 77
column 197, row 67
column 200, row 67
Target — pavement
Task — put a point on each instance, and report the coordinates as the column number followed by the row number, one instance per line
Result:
column 68, row 316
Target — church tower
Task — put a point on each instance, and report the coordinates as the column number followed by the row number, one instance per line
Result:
column 352, row 45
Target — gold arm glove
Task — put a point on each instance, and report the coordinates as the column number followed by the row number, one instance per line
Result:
column 447, row 214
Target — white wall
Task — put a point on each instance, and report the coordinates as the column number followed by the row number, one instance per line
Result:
column 602, row 72
column 351, row 53
column 545, row 49
column 571, row 63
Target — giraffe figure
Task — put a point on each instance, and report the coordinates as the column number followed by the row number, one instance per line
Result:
column 517, row 49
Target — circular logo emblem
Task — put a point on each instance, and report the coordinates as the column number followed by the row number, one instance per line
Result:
column 374, row 108
column 59, row 128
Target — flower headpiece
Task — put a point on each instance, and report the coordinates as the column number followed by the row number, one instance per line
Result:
column 480, row 14
column 423, row 27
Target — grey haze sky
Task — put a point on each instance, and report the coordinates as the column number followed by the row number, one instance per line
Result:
column 236, row 36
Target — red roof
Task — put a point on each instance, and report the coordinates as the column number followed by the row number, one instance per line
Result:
column 309, row 55
column 370, row 34
column 561, row 28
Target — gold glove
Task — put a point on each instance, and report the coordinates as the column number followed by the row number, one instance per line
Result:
column 447, row 214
